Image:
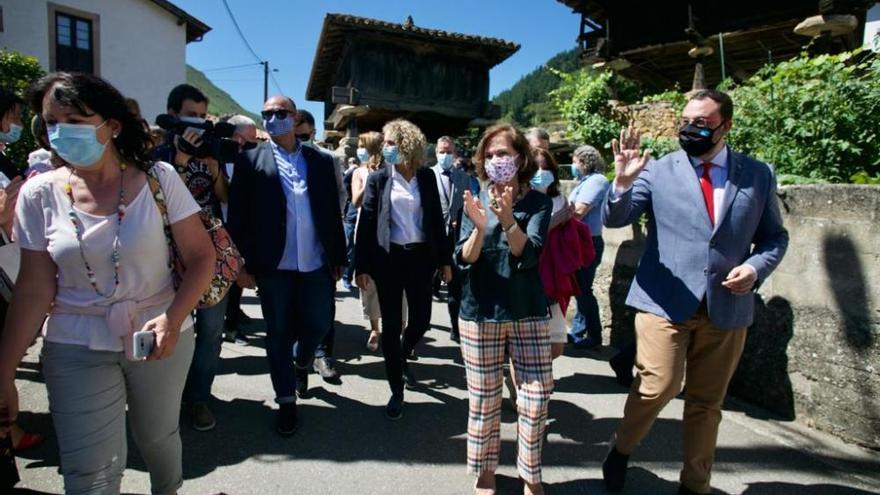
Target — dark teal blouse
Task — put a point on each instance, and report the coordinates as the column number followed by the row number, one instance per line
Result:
column 500, row 286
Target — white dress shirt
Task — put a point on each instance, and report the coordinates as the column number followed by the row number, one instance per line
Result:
column 406, row 209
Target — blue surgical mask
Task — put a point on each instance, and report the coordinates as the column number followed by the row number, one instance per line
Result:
column 542, row 180
column 278, row 127
column 363, row 155
column 576, row 172
column 77, row 144
column 391, row 155
column 12, row 136
column 444, row 160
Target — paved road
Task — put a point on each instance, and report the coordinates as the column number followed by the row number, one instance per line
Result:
column 345, row 446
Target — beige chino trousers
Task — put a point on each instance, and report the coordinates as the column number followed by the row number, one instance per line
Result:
column 705, row 357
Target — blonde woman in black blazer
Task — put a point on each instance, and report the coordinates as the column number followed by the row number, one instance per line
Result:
column 400, row 245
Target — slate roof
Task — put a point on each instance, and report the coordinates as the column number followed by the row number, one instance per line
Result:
column 338, row 28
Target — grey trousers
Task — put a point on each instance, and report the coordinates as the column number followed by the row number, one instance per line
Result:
column 88, row 392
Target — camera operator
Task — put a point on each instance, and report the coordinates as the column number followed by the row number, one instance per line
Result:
column 201, row 175
column 209, row 188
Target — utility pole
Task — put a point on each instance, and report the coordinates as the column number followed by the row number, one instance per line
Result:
column 265, row 79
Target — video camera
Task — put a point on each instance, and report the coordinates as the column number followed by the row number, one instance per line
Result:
column 216, row 138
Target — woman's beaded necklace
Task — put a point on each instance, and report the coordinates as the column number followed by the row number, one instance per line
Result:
column 80, row 230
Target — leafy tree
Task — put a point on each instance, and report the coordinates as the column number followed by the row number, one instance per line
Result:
column 527, row 102
column 815, row 117
column 17, row 72
column 582, row 100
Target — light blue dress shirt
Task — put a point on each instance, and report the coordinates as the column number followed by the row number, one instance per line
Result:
column 302, row 249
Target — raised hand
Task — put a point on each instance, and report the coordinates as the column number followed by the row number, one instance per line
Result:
column 628, row 163
column 502, row 206
column 475, row 211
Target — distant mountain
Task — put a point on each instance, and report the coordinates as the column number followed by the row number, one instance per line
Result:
column 219, row 101
column 527, row 102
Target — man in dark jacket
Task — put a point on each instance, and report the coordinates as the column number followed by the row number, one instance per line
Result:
column 284, row 217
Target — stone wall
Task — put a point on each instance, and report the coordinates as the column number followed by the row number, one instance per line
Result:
column 651, row 119
column 813, row 353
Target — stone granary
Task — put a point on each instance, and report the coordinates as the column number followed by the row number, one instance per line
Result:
column 682, row 42
column 368, row 71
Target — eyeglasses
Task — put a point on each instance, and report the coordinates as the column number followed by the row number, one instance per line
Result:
column 304, row 137
column 699, row 122
column 280, row 114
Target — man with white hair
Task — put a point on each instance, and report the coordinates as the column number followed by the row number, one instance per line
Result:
column 245, row 129
column 246, row 136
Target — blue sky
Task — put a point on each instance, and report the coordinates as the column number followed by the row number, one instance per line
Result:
column 286, row 33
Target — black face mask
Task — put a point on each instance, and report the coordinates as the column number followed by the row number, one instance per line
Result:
column 696, row 141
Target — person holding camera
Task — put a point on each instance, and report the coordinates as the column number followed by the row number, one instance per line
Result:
column 95, row 258
column 285, row 218
column 208, row 187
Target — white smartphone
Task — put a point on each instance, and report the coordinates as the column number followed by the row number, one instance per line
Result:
column 143, row 342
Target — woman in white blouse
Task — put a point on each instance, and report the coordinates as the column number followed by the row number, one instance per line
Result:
column 370, row 153
column 400, row 245
column 95, row 258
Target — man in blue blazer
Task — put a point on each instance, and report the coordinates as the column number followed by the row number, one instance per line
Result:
column 714, row 233
column 284, row 217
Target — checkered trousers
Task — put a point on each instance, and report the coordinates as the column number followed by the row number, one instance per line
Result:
column 482, row 346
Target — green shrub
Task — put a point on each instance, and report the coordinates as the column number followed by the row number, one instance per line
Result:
column 659, row 146
column 815, row 117
column 797, row 180
column 674, row 96
column 582, row 100
column 862, row 177
column 17, row 72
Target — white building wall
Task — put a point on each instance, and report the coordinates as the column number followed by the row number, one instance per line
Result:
column 142, row 48
column 872, row 24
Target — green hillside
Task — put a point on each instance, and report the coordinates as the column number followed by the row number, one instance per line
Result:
column 527, row 102
column 219, row 101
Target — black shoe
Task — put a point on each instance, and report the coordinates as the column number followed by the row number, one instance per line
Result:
column 241, row 338
column 324, row 367
column 394, row 409
column 614, row 470
column 412, row 356
column 455, row 337
column 683, row 490
column 285, row 422
column 623, row 372
column 409, row 379
column 588, row 343
column 302, row 382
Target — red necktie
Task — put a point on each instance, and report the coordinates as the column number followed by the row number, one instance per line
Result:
column 708, row 191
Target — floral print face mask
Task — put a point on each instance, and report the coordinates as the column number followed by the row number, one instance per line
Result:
column 501, row 169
